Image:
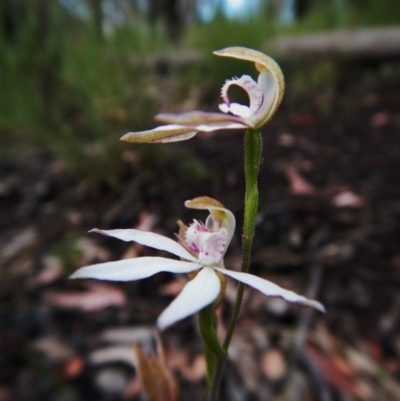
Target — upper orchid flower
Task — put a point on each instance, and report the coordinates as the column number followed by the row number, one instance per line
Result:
column 202, row 247
column 265, row 96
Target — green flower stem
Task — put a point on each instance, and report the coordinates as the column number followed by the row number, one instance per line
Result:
column 212, row 347
column 252, row 154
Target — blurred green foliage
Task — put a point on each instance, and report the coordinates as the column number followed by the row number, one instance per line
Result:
column 67, row 250
column 72, row 87
column 340, row 14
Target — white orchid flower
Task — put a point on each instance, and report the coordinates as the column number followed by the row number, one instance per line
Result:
column 201, row 248
column 265, row 95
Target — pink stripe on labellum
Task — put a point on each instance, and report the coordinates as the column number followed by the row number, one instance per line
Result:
column 253, row 90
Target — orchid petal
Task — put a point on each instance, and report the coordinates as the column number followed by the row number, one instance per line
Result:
column 269, row 104
column 177, row 138
column 134, row 269
column 265, row 65
column 261, row 61
column 150, row 239
column 219, row 216
column 166, row 133
column 196, row 118
column 216, row 127
column 271, row 289
column 197, row 294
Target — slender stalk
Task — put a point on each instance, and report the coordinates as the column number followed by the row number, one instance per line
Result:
column 210, row 364
column 212, row 347
column 252, row 154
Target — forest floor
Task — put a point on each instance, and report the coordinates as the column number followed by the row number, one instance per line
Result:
column 328, row 227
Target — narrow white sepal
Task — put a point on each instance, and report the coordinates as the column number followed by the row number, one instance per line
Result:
column 209, row 127
column 197, row 294
column 134, row 269
column 165, row 133
column 177, row 138
column 150, row 239
column 271, row 289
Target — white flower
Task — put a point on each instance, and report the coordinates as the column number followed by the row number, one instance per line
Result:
column 202, row 247
column 265, row 96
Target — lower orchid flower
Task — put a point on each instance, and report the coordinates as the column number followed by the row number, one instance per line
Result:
column 265, row 96
column 201, row 248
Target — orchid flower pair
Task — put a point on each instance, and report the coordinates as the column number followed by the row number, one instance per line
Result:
column 201, row 248
column 265, row 95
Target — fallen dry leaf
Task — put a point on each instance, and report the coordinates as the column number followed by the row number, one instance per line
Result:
column 91, row 251
column 299, row 186
column 128, row 335
column 273, row 364
column 52, row 270
column 146, row 223
column 155, row 377
column 348, row 198
column 365, row 390
column 73, row 367
column 286, row 140
column 121, row 353
column 331, row 372
column 195, row 370
column 176, row 359
column 147, row 375
column 380, row 119
column 344, row 365
column 18, row 243
column 133, row 388
column 174, row 287
column 98, row 296
column 112, row 381
column 307, row 144
column 156, row 380
column 53, row 348
column 302, row 118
